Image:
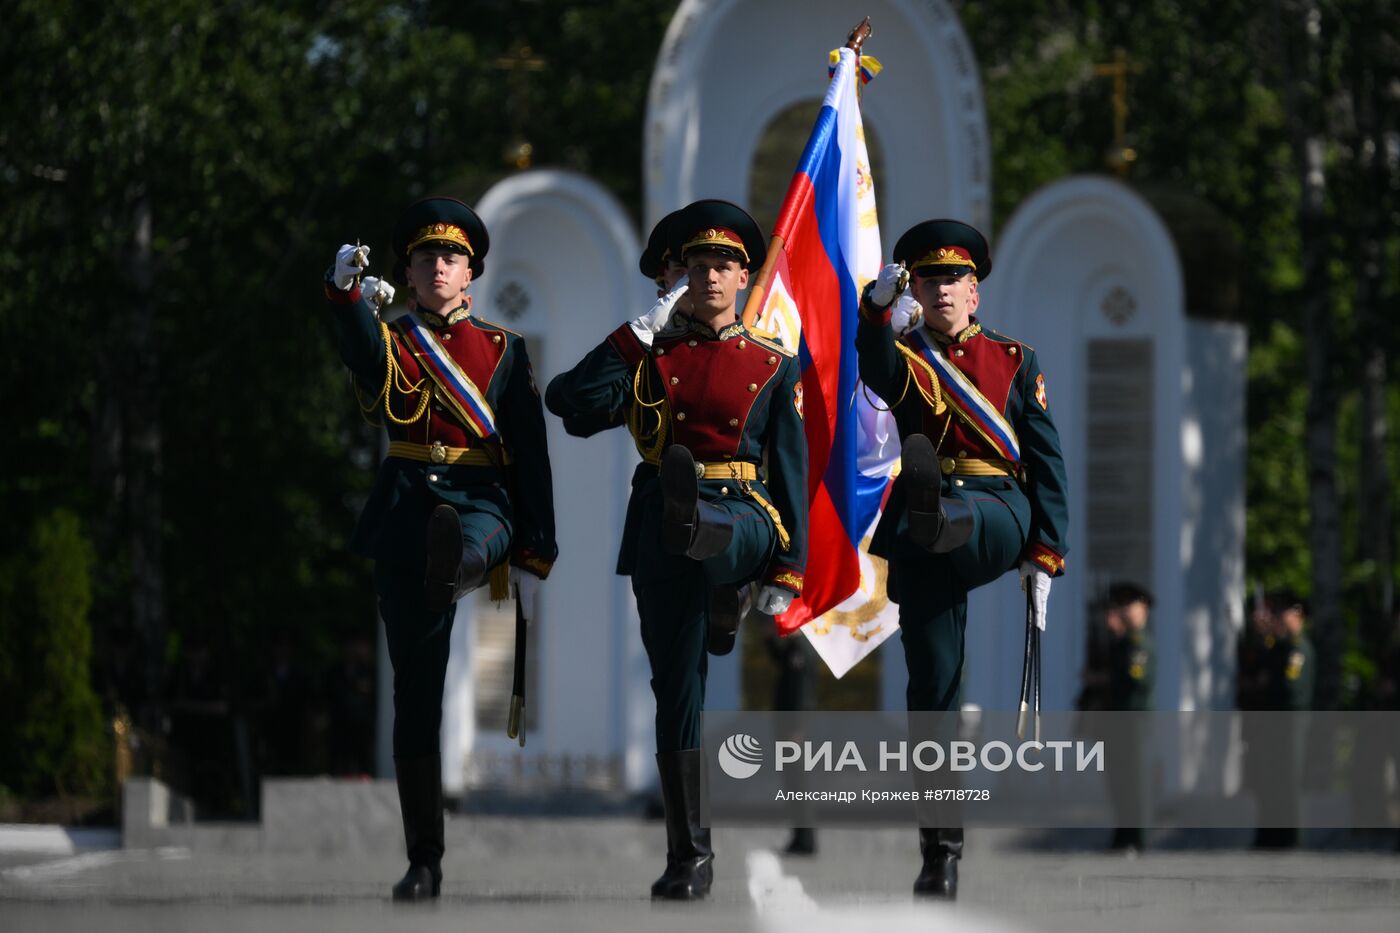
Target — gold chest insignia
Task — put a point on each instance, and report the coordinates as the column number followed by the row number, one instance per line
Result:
column 1295, row 665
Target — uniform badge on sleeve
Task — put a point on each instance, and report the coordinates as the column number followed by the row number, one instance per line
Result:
column 1040, row 391
column 530, row 374
column 797, row 399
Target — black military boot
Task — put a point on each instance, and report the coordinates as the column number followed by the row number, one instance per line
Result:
column 803, row 841
column 935, row 524
column 453, row 569
column 689, row 525
column 420, row 800
column 728, row 605
column 689, row 858
column 941, row 849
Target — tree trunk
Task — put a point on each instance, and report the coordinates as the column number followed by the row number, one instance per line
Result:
column 1302, row 22
column 1376, row 544
column 141, row 422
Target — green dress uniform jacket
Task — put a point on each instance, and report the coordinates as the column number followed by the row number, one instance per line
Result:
column 1020, row 508
column 731, row 398
column 510, row 480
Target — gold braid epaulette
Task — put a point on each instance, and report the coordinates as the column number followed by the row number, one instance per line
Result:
column 934, row 398
column 649, row 443
column 395, row 379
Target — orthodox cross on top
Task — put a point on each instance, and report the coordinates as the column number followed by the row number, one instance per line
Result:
column 518, row 63
column 1122, row 154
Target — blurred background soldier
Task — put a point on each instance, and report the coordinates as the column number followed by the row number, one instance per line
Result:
column 1388, row 698
column 795, row 690
column 465, row 493
column 705, row 400
column 1129, row 689
column 1289, row 663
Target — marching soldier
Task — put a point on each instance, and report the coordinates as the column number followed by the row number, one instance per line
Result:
column 982, row 488
column 465, row 495
column 704, row 399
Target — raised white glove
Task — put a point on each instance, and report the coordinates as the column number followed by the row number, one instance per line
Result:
column 1038, row 580
column 350, row 261
column 526, row 587
column 376, row 291
column 906, row 315
column 886, row 284
column 774, row 600
column 651, row 323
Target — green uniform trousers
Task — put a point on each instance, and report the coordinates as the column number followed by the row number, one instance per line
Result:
column 419, row 640
column 673, row 602
column 932, row 589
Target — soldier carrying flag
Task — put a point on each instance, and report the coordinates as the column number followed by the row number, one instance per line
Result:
column 705, row 398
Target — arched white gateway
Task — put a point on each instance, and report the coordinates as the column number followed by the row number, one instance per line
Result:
column 1150, row 408
column 727, row 68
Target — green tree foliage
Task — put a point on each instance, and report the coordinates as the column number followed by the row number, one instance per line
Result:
column 53, row 733
column 1209, row 116
column 176, row 176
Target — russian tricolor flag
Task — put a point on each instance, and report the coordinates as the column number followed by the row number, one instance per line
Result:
column 827, row 246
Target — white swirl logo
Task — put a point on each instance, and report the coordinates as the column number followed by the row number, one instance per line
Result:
column 740, row 756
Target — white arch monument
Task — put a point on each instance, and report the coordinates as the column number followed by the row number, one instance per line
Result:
column 1149, row 403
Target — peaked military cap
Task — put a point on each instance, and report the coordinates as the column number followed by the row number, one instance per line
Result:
column 726, row 228
column 442, row 222
column 661, row 247
column 944, row 247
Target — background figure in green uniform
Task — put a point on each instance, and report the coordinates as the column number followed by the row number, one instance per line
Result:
column 795, row 690
column 982, row 488
column 1129, row 689
column 465, row 493
column 705, row 399
column 1388, row 697
column 1290, row 665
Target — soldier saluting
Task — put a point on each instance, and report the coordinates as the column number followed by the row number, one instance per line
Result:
column 465, row 492
column 983, row 484
column 705, row 398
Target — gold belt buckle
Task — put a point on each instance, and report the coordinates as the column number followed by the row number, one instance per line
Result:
column 438, row 452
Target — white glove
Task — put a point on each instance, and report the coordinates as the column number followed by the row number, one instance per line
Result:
column 774, row 600
column 526, row 587
column 376, row 291
column 1039, row 582
column 886, row 284
column 350, row 261
column 651, row 323
column 906, row 315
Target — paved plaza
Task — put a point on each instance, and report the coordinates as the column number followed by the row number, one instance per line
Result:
column 593, row 874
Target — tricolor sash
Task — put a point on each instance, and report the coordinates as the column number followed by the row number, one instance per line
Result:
column 968, row 400
column 455, row 386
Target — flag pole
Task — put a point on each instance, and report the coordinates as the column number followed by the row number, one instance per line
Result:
column 758, row 290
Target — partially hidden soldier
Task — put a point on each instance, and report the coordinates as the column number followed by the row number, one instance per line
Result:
column 1131, row 678
column 705, row 399
column 1291, row 671
column 982, row 486
column 465, row 495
